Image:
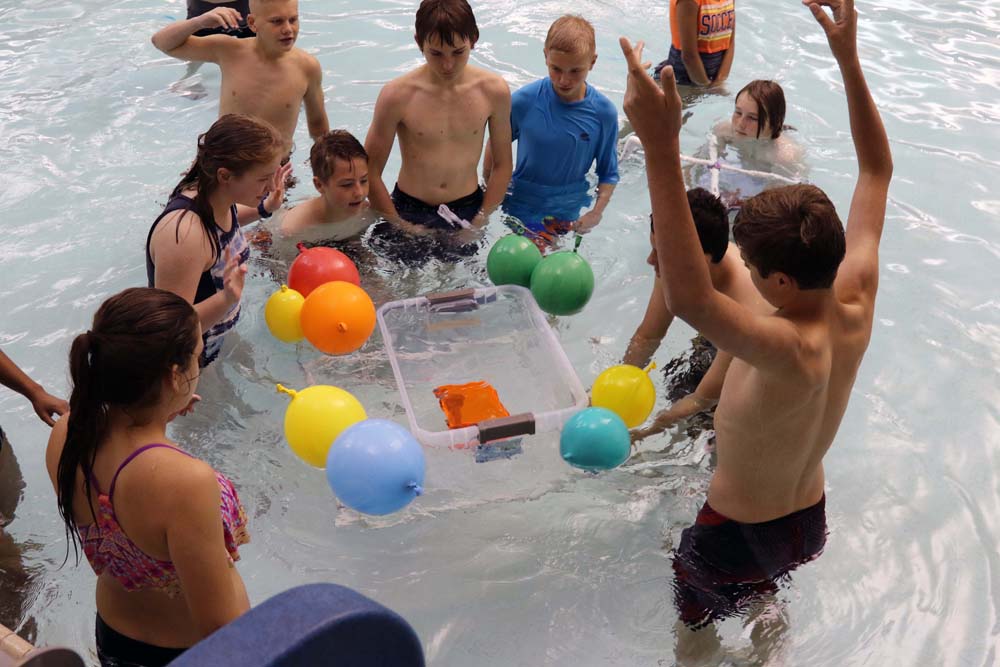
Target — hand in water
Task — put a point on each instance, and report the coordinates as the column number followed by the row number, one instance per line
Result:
column 654, row 110
column 233, row 276
column 221, row 17
column 842, row 30
column 587, row 222
column 276, row 196
column 46, row 405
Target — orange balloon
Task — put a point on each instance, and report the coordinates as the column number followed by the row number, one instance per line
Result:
column 338, row 317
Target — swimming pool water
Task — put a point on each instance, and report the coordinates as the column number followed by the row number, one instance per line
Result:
column 526, row 561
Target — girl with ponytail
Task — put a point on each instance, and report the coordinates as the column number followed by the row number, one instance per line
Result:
column 195, row 247
column 159, row 527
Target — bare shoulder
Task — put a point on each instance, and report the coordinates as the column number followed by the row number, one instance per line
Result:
column 491, row 83
column 53, row 451
column 399, row 90
column 182, row 228
column 172, row 474
column 308, row 63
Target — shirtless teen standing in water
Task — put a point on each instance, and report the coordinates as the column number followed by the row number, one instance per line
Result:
column 792, row 373
column 440, row 112
column 267, row 77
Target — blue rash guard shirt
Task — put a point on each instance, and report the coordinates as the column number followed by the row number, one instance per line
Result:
column 557, row 142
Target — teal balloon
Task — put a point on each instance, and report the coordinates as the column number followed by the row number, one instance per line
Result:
column 511, row 261
column 562, row 283
column 595, row 439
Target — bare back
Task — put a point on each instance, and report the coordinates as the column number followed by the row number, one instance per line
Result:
column 441, row 132
column 774, row 427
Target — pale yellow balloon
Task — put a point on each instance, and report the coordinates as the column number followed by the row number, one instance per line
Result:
column 627, row 391
column 315, row 418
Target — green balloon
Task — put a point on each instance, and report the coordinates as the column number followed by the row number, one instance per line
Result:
column 511, row 261
column 562, row 283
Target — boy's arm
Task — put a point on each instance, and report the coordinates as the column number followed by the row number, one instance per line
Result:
column 687, row 17
column 857, row 279
column 176, row 39
column 655, row 114
column 651, row 330
column 727, row 60
column 45, row 405
column 378, row 144
column 316, row 117
column 705, row 395
column 607, row 172
column 502, row 164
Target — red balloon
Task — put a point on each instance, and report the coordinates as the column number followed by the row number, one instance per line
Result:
column 317, row 266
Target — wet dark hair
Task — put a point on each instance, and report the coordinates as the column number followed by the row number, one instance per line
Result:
column 446, row 19
column 332, row 146
column 136, row 339
column 235, row 142
column 711, row 220
column 770, row 99
column 793, row 229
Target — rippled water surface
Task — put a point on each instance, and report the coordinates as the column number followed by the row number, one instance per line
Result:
column 529, row 562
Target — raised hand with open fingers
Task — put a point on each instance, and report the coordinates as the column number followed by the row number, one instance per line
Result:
column 221, row 17
column 232, row 277
column 842, row 30
column 653, row 109
column 276, row 194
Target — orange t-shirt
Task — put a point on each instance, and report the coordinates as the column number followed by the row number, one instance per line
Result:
column 716, row 19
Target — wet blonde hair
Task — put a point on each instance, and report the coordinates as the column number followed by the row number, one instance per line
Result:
column 571, row 34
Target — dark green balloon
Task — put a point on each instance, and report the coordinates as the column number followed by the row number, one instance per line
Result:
column 562, row 283
column 511, row 261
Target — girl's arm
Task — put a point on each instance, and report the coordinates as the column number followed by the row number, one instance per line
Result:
column 727, row 60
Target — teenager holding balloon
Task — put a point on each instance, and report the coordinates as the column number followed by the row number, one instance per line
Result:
column 160, row 528
column 196, row 247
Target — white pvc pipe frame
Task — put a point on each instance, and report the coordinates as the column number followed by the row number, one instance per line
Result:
column 715, row 166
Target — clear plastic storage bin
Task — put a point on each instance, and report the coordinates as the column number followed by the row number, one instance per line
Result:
column 494, row 334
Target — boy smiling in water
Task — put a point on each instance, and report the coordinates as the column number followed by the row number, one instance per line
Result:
column 340, row 174
column 440, row 112
column 562, row 125
column 267, row 77
column 791, row 378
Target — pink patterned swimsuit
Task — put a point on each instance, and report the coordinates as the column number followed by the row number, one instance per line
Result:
column 110, row 550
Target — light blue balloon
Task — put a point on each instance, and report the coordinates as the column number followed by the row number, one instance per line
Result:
column 376, row 466
column 595, row 439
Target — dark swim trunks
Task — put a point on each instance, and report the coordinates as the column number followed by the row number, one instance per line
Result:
column 420, row 212
column 711, row 61
column 721, row 565
column 199, row 7
column 683, row 373
column 399, row 246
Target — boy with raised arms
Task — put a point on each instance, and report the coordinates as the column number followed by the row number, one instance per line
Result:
column 562, row 126
column 788, row 386
column 267, row 77
column 440, row 112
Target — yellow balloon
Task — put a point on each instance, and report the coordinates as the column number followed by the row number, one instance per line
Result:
column 627, row 391
column 282, row 315
column 315, row 417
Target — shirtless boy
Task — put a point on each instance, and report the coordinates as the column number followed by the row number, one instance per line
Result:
column 440, row 112
column 728, row 276
column 267, row 76
column 340, row 174
column 791, row 377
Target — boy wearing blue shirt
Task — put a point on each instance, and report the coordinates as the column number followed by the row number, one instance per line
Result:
column 562, row 125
